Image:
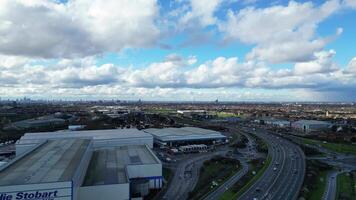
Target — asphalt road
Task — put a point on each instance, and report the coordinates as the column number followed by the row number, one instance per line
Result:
column 330, row 190
column 183, row 182
column 284, row 177
column 227, row 184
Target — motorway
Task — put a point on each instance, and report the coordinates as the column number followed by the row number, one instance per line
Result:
column 343, row 162
column 248, row 152
column 284, row 177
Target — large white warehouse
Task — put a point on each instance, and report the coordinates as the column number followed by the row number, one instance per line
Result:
column 101, row 138
column 185, row 135
column 74, row 168
column 53, row 170
column 310, row 125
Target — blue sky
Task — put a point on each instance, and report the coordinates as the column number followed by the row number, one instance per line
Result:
column 234, row 50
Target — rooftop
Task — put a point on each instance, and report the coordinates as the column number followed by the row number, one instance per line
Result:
column 55, row 160
column 311, row 122
column 95, row 134
column 185, row 133
column 108, row 165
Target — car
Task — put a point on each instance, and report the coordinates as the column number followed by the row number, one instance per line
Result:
column 274, row 169
column 258, row 190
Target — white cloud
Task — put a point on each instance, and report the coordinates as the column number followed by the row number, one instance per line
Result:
column 117, row 24
column 350, row 3
column 43, row 28
column 352, row 66
column 201, row 12
column 83, row 77
column 12, row 61
column 78, row 32
column 164, row 74
column 281, row 33
column 322, row 64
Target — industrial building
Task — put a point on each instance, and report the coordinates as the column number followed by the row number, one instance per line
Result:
column 73, row 168
column 53, row 170
column 277, row 122
column 195, row 114
column 101, row 138
column 35, row 123
column 127, row 171
column 310, row 125
column 185, row 136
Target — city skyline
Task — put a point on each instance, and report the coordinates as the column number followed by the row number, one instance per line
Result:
column 178, row 50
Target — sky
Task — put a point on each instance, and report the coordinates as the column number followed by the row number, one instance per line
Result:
column 178, row 50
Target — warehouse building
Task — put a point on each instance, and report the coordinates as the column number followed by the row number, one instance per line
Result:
column 54, row 170
column 310, row 125
column 185, row 136
column 35, row 124
column 74, row 169
column 101, row 138
column 125, row 170
column 276, row 122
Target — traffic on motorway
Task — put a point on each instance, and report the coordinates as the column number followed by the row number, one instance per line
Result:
column 284, row 176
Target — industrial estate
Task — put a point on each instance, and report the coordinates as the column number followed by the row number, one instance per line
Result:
column 136, row 150
column 177, row 100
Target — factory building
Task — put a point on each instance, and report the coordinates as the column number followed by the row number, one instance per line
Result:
column 277, row 122
column 35, row 123
column 185, row 136
column 53, row 170
column 310, row 125
column 101, row 138
column 130, row 171
column 75, row 169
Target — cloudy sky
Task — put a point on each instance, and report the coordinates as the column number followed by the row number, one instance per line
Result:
column 233, row 50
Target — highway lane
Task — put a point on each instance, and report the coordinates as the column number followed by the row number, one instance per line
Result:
column 181, row 183
column 330, row 190
column 291, row 177
column 284, row 177
column 268, row 177
column 217, row 193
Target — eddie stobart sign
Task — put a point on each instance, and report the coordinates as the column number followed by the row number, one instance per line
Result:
column 33, row 195
column 40, row 191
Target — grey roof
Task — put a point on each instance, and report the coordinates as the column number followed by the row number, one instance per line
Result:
column 312, row 122
column 95, row 134
column 108, row 165
column 55, row 160
column 185, row 133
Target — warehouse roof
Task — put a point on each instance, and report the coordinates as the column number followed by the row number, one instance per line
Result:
column 54, row 160
column 185, row 133
column 95, row 134
column 312, row 122
column 108, row 165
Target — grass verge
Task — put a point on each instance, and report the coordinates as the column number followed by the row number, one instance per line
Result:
column 216, row 170
column 320, row 186
column 340, row 148
column 346, row 186
column 167, row 174
column 314, row 183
